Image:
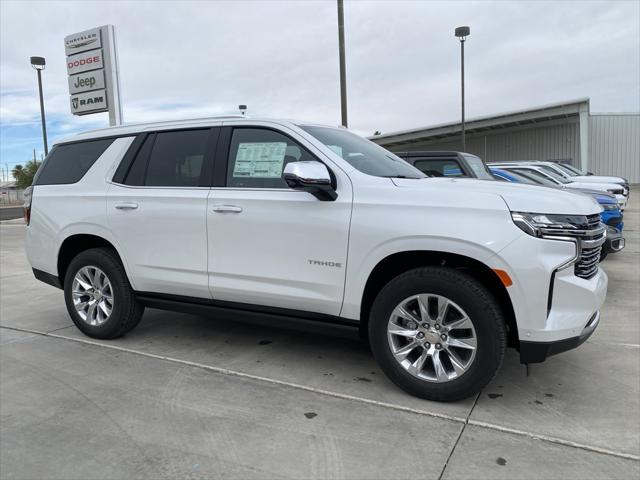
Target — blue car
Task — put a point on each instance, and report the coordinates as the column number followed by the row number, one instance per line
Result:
column 610, row 215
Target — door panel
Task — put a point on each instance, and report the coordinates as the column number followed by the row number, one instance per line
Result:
column 162, row 232
column 278, row 247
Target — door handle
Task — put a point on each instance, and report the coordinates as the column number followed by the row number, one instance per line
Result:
column 126, row 206
column 227, row 209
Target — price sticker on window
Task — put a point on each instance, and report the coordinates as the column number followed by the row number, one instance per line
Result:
column 260, row 160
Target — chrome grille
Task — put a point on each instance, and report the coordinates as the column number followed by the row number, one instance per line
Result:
column 591, row 245
column 590, row 236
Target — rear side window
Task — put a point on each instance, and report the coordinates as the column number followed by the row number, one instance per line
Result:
column 440, row 168
column 170, row 159
column 68, row 163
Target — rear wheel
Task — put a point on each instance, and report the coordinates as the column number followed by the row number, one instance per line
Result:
column 98, row 295
column 437, row 333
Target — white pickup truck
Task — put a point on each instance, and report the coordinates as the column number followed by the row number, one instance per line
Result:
column 316, row 224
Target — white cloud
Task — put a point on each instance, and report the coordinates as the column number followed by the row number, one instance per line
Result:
column 280, row 58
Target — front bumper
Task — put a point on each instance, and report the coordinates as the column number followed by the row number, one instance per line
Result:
column 537, row 352
column 614, row 242
column 552, row 305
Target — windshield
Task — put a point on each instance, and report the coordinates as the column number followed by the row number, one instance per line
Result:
column 363, row 154
column 571, row 170
column 478, row 166
column 539, row 176
column 551, row 170
column 518, row 177
column 534, row 177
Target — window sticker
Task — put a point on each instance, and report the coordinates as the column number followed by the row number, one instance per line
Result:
column 260, row 160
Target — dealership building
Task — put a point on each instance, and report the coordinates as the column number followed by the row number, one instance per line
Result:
column 602, row 143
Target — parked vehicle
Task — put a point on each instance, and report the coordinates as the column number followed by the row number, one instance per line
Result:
column 448, row 164
column 560, row 181
column 575, row 175
column 310, row 223
column 611, row 215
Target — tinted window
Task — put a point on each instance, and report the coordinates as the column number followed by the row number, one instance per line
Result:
column 257, row 158
column 68, row 163
column 438, row 167
column 177, row 159
column 363, row 154
column 139, row 166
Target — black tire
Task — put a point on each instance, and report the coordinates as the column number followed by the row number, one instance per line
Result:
column 480, row 306
column 127, row 310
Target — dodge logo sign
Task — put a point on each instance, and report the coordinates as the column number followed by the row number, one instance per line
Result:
column 84, row 62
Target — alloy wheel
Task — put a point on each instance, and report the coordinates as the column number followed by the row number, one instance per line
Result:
column 432, row 338
column 92, row 295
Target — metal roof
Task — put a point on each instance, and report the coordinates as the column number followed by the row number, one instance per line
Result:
column 543, row 113
column 133, row 129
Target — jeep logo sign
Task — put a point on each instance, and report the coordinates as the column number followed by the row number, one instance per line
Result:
column 84, row 82
column 89, row 102
column 92, row 69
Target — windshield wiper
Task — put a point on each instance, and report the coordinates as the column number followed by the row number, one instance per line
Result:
column 401, row 176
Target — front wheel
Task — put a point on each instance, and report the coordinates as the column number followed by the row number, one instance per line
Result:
column 437, row 333
column 98, row 295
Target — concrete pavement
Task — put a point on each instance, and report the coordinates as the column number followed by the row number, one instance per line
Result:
column 186, row 396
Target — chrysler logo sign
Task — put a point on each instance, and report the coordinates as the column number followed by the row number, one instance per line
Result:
column 83, row 41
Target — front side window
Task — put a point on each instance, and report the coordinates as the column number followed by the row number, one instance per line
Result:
column 363, row 154
column 68, row 163
column 170, row 159
column 437, row 167
column 257, row 158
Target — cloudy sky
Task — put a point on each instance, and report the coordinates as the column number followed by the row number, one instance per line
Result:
column 181, row 59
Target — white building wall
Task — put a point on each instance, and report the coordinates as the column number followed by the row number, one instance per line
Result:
column 614, row 145
column 555, row 141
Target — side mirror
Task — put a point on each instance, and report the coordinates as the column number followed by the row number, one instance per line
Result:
column 312, row 177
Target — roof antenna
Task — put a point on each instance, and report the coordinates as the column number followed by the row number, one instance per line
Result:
column 242, row 108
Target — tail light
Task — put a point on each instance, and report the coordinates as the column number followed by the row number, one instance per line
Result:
column 28, row 194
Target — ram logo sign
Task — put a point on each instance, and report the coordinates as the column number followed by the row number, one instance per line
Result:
column 89, row 102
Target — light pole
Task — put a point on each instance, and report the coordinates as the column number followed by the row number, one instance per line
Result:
column 462, row 33
column 343, row 73
column 38, row 63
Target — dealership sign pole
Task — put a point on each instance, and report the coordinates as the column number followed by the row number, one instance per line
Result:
column 92, row 69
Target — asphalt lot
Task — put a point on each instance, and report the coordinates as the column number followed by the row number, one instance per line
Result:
column 11, row 212
column 191, row 397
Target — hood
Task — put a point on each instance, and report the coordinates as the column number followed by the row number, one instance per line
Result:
column 601, row 187
column 597, row 179
column 519, row 197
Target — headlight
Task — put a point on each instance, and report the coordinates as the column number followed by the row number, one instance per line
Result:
column 609, row 206
column 540, row 224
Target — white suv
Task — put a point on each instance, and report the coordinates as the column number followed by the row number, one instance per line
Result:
column 316, row 224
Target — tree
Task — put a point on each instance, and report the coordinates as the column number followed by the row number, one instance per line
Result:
column 24, row 175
